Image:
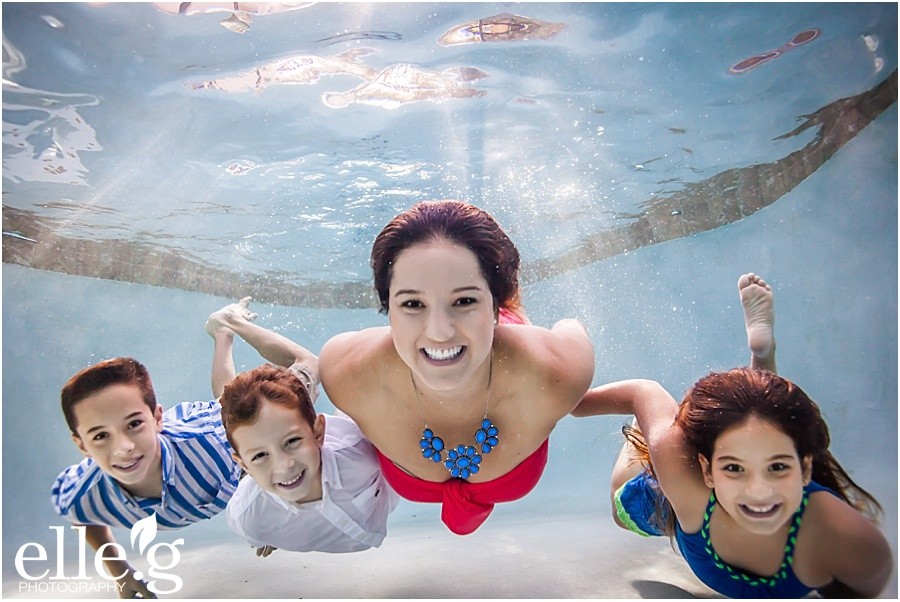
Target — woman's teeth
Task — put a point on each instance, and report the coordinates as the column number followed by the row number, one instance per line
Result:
column 443, row 354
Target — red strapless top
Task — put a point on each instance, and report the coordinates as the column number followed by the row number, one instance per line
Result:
column 507, row 317
column 466, row 505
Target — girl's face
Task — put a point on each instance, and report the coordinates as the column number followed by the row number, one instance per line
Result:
column 757, row 475
column 441, row 314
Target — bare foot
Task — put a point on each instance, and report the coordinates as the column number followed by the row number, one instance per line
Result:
column 221, row 319
column 759, row 319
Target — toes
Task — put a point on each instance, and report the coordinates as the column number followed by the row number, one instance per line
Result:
column 245, row 312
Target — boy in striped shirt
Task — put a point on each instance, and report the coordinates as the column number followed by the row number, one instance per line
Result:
column 140, row 459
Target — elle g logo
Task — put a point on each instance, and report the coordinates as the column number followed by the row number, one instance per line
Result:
column 31, row 562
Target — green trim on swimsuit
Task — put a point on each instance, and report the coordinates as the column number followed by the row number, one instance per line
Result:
column 623, row 515
column 737, row 574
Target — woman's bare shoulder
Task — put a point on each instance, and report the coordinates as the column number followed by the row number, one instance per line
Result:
column 563, row 350
column 349, row 359
column 354, row 345
column 559, row 364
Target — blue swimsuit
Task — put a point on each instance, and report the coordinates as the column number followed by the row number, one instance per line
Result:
column 636, row 502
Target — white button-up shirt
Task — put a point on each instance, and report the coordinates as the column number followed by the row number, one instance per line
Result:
column 351, row 516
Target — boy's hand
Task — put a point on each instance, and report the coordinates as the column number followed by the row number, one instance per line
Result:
column 130, row 587
column 265, row 550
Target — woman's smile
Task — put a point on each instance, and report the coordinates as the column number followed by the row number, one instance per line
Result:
column 443, row 355
column 442, row 323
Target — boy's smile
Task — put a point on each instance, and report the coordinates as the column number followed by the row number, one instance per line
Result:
column 282, row 453
column 119, row 432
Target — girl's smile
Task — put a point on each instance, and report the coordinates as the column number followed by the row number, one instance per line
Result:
column 757, row 476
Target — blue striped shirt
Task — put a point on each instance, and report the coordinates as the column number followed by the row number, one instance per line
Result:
column 199, row 476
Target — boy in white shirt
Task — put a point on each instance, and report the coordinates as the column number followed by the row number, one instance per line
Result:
column 315, row 483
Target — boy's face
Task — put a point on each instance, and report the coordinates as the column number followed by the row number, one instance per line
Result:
column 282, row 453
column 117, row 429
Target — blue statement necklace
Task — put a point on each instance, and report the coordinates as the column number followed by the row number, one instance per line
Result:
column 463, row 460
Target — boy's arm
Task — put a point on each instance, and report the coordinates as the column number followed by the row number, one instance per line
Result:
column 222, row 371
column 236, row 318
column 272, row 346
column 129, row 586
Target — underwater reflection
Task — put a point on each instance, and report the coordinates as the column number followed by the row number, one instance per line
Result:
column 239, row 19
column 402, row 84
column 804, row 37
column 303, row 69
column 43, row 131
column 724, row 198
column 504, row 27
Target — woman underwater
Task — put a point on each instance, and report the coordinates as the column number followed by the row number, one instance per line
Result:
column 459, row 393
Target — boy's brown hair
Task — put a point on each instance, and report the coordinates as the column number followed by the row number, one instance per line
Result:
column 116, row 371
column 244, row 395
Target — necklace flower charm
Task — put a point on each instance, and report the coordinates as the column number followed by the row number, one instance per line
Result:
column 431, row 446
column 487, row 436
column 462, row 461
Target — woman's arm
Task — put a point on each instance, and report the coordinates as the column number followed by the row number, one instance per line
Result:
column 335, row 363
column 351, row 366
column 673, row 462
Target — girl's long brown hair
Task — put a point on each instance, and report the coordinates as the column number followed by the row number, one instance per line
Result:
column 724, row 400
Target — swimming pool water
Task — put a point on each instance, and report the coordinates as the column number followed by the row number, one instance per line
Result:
column 118, row 167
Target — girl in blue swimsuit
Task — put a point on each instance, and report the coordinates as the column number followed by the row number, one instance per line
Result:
column 740, row 474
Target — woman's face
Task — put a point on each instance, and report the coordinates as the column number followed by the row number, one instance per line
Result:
column 441, row 314
column 757, row 475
